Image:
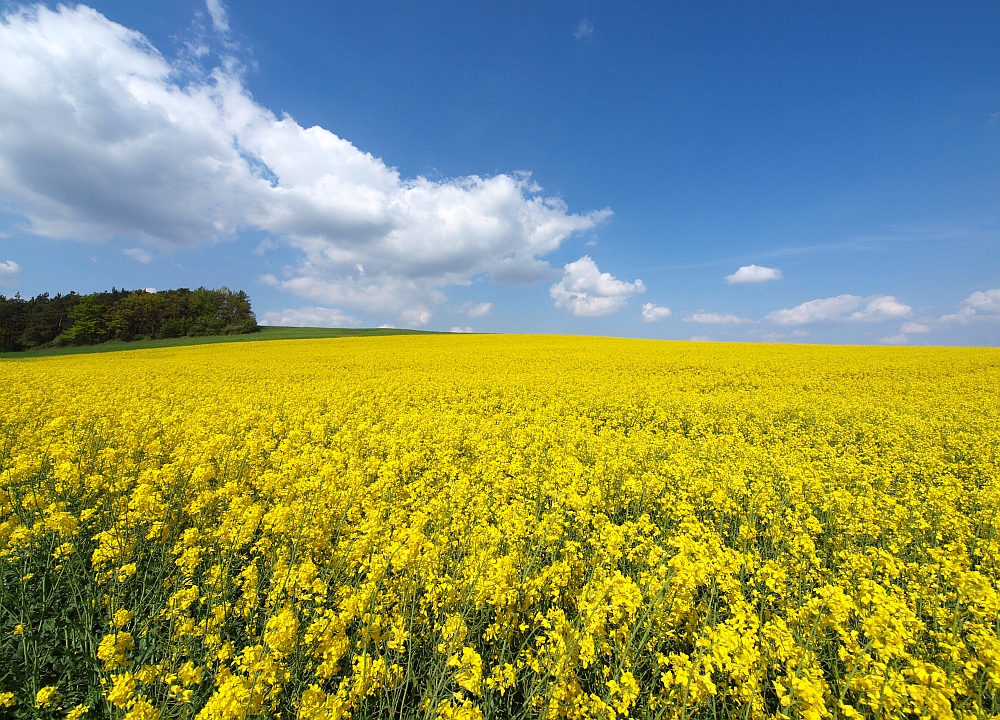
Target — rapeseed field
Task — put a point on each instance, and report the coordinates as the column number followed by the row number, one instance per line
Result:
column 466, row 527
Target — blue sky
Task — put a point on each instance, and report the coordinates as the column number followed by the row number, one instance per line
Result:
column 800, row 172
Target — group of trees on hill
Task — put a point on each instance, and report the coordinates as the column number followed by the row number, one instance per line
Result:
column 74, row 319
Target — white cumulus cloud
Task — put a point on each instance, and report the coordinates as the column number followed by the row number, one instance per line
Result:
column 709, row 318
column 417, row 316
column 654, row 313
column 753, row 274
column 8, row 269
column 985, row 302
column 824, row 309
column 309, row 317
column 883, row 307
column 102, row 137
column 842, row 308
column 139, row 255
column 97, row 141
column 587, row 292
column 457, row 329
column 264, row 245
column 915, row 328
column 980, row 305
column 476, row 310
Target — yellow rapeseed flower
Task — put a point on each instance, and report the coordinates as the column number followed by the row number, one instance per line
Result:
column 47, row 696
column 469, row 527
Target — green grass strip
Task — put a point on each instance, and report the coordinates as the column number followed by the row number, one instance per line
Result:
column 266, row 333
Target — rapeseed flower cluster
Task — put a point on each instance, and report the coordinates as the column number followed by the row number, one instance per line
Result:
column 500, row 527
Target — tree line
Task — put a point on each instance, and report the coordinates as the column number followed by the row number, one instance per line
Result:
column 73, row 319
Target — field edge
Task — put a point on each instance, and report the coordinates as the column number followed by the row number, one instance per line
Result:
column 267, row 332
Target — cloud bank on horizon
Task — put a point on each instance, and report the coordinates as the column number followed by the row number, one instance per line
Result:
column 103, row 140
column 842, row 308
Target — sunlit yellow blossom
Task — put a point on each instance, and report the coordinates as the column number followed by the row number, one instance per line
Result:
column 115, row 648
column 78, row 713
column 469, row 670
column 623, row 692
column 181, row 694
column 143, row 709
column 122, row 693
column 47, row 696
column 459, row 709
column 126, row 571
column 63, row 551
column 314, row 704
column 281, row 632
column 497, row 526
column 147, row 673
column 453, row 634
column 122, row 618
column 190, row 674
